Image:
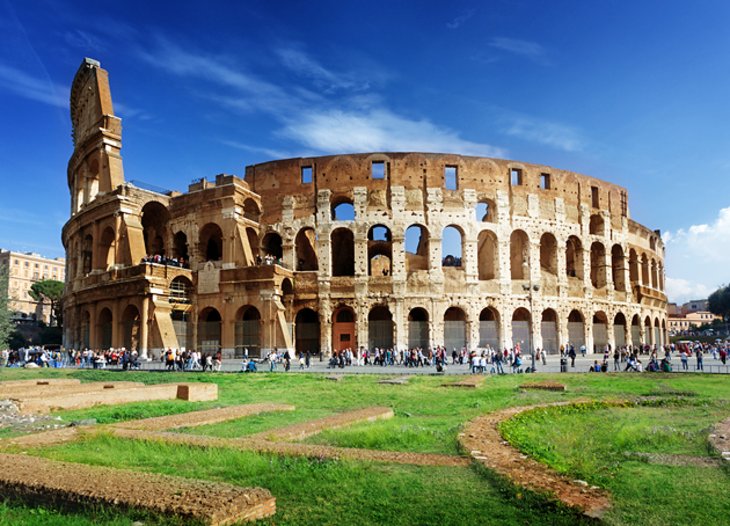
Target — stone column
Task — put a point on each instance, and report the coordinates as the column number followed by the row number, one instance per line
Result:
column 144, row 327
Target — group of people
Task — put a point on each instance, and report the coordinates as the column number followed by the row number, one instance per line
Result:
column 164, row 260
column 191, row 360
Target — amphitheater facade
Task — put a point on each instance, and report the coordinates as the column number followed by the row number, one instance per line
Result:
column 349, row 251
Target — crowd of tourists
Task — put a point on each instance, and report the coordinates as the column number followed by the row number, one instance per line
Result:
column 164, row 260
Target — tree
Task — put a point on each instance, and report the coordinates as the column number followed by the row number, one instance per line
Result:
column 50, row 290
column 719, row 302
column 6, row 324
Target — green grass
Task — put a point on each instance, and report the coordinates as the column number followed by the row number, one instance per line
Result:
column 587, row 443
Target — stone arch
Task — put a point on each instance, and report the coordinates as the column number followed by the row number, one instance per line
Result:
column 489, row 328
column 87, row 254
column 131, row 327
column 417, row 242
column 343, row 209
column 342, row 243
column 272, row 245
column 155, row 219
column 287, row 287
column 343, row 328
column 107, row 248
column 648, row 333
column 486, row 211
column 418, row 328
column 487, row 255
column 519, row 250
column 600, row 331
column 454, row 328
column 209, row 330
column 104, row 329
column 307, row 331
column 248, row 331
column 633, row 267
column 598, row 265
column 657, row 333
column 576, row 328
column 380, row 328
column 211, row 242
column 619, row 330
column 636, row 330
column 251, row 210
column 618, row 263
column 596, row 225
column 452, row 246
column 522, row 329
column 380, row 251
column 252, row 237
column 654, row 279
column 306, row 249
column 181, row 290
column 549, row 331
column 644, row 270
column 574, row 258
column 549, row 254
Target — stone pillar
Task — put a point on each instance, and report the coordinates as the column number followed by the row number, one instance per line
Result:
column 144, row 327
column 398, row 260
column 116, row 333
column 400, row 325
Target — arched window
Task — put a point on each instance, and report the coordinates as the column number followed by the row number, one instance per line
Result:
column 574, row 258
column 617, row 267
column 549, row 331
column 454, row 329
column 380, row 328
column 209, row 330
column 307, row 331
column 486, row 211
column 180, row 242
column 380, row 251
column 519, row 250
column 155, row 218
column 251, row 210
column 211, row 242
column 272, row 245
column 489, row 328
column 595, row 226
column 598, row 265
column 306, row 248
column 576, row 329
column 343, row 252
column 451, row 247
column 418, row 328
column 522, row 329
column 417, row 248
column 549, row 254
column 248, row 332
column 343, row 210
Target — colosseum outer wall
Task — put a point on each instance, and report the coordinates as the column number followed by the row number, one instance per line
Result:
column 360, row 250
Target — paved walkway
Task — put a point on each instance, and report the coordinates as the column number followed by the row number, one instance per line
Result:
column 553, row 366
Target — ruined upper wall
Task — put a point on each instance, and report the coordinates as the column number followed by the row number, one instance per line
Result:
column 416, row 172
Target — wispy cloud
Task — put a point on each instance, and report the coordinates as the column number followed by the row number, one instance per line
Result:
column 350, row 118
column 698, row 258
column 524, row 48
column 268, row 152
column 459, row 20
column 33, row 88
column 545, row 132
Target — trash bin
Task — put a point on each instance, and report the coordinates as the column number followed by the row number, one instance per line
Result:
column 563, row 365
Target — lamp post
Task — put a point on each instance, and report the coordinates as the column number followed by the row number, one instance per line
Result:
column 529, row 288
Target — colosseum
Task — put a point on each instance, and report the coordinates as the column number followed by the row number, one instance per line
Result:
column 348, row 251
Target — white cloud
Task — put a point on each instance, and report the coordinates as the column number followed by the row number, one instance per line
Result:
column 524, row 48
column 458, row 21
column 545, row 132
column 698, row 258
column 29, row 87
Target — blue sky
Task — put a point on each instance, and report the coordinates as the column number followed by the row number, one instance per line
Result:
column 635, row 93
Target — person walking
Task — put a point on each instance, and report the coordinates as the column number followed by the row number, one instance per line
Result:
column 699, row 358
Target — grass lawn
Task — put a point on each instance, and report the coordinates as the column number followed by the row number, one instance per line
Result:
column 589, row 442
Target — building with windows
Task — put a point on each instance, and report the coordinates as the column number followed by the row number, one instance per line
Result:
column 24, row 269
column 348, row 251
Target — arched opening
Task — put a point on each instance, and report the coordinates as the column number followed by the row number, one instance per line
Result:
column 380, row 251
column 380, row 328
column 343, row 252
column 452, row 247
column 657, row 333
column 595, row 226
column 343, row 329
column 287, row 287
column 576, row 329
column 648, row 333
column 665, row 336
column 645, row 271
column 600, row 332
column 619, row 330
column 343, row 210
column 633, row 267
column 636, row 330
column 574, row 258
column 519, row 255
column 180, row 245
column 487, row 255
column 131, row 325
column 418, row 329
column 104, row 329
column 549, row 331
column 181, row 289
column 617, row 267
column 209, row 330
column 251, row 210
column 549, row 254
column 522, row 329
column 454, row 329
column 486, row 211
column 652, row 243
column 272, row 246
column 307, row 332
column 252, row 237
column 211, row 242
column 306, row 249
column 489, row 328
column 417, row 248
column 107, row 248
column 154, row 225
column 85, row 330
column 181, row 324
column 248, row 332
column 598, row 265
column 87, row 252
column 654, row 279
